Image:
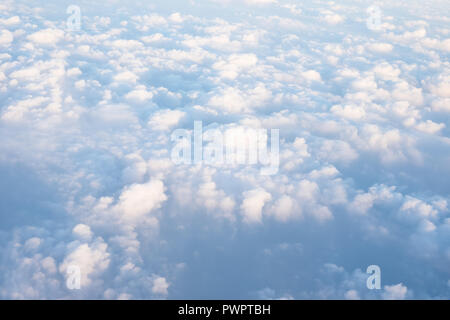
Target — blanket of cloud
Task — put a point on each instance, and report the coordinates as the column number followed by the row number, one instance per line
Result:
column 87, row 179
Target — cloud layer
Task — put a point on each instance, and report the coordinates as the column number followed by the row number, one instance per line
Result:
column 85, row 153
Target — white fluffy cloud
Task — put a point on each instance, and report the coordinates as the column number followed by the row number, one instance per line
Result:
column 253, row 203
column 165, row 119
column 91, row 260
column 160, row 286
column 138, row 200
column 395, row 292
column 6, row 37
column 46, row 37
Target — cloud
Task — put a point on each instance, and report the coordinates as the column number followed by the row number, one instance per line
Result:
column 46, row 37
column 253, row 204
column 380, row 47
column 6, row 38
column 260, row 1
column 126, row 76
column 285, row 208
column 236, row 64
column 10, row 21
column 248, row 2
column 139, row 94
column 233, row 100
column 352, row 295
column 82, row 231
column 92, row 260
column 332, row 18
column 160, row 286
column 165, row 119
column 311, row 75
column 349, row 112
column 395, row 292
column 138, row 200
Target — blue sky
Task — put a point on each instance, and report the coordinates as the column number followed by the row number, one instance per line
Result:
column 362, row 105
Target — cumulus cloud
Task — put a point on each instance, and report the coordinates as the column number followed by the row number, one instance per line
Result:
column 165, row 119
column 234, row 100
column 160, row 286
column 91, row 259
column 395, row 292
column 139, row 199
column 46, row 37
column 6, row 37
column 253, row 204
column 380, row 47
column 83, row 231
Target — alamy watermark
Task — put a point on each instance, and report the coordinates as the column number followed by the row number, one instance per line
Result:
column 374, row 280
column 73, row 22
column 232, row 146
column 373, row 21
column 73, row 281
